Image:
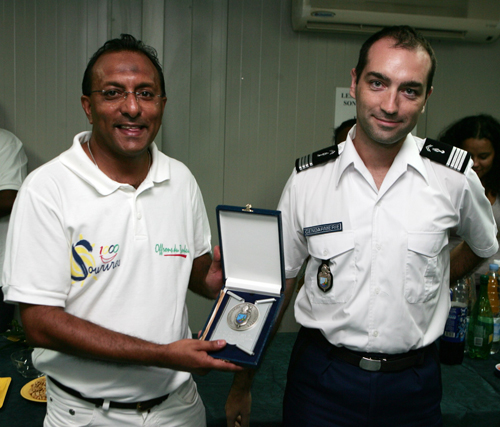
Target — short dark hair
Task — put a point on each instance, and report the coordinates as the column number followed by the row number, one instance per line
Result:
column 126, row 42
column 482, row 126
column 347, row 124
column 405, row 37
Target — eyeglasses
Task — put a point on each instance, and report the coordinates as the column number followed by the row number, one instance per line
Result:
column 117, row 95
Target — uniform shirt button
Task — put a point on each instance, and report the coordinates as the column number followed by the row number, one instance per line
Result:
column 377, row 290
column 375, row 333
column 139, row 215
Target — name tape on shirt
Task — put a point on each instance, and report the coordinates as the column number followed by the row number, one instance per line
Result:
column 322, row 229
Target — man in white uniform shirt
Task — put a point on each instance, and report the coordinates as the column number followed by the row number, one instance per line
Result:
column 374, row 216
column 105, row 241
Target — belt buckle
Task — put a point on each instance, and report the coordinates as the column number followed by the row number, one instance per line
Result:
column 145, row 406
column 368, row 364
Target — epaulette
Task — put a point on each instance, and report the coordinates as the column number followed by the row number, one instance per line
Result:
column 446, row 154
column 316, row 158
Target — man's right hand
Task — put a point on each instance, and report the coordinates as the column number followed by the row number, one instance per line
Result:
column 53, row 328
column 192, row 356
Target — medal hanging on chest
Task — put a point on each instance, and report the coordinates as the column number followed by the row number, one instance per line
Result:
column 325, row 278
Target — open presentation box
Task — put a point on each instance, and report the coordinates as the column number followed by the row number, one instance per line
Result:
column 251, row 243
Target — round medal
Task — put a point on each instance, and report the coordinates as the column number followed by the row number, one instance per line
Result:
column 243, row 316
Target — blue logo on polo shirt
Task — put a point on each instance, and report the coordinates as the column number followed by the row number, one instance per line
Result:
column 82, row 261
column 83, row 264
column 322, row 229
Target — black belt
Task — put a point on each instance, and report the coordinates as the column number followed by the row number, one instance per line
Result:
column 369, row 361
column 139, row 406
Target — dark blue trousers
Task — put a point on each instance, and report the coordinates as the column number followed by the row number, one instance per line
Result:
column 323, row 391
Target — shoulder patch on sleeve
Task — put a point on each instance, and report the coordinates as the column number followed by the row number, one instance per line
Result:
column 316, row 158
column 448, row 155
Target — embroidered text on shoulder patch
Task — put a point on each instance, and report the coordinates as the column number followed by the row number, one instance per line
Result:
column 316, row 158
column 446, row 154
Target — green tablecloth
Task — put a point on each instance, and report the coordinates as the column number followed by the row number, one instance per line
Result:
column 471, row 392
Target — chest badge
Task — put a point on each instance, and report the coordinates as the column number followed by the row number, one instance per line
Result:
column 325, row 278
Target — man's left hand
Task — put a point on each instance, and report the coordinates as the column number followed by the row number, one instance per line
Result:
column 214, row 278
column 206, row 275
column 239, row 400
column 238, row 406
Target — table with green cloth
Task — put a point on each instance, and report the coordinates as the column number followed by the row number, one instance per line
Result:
column 471, row 391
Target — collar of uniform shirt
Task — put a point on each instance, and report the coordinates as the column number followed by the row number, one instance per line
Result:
column 409, row 155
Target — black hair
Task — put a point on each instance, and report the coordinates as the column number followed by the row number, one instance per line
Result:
column 126, row 42
column 405, row 37
column 349, row 123
column 482, row 126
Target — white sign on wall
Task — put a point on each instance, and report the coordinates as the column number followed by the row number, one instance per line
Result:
column 345, row 106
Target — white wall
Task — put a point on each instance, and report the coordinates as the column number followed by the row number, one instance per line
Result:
column 246, row 94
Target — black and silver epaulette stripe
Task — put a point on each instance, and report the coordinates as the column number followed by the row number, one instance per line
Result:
column 316, row 158
column 448, row 155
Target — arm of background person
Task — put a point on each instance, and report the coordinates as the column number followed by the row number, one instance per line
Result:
column 51, row 327
column 7, row 198
column 463, row 261
column 239, row 400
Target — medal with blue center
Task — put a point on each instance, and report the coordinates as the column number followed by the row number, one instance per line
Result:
column 325, row 278
column 243, row 316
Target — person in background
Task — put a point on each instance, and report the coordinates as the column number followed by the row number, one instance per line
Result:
column 375, row 216
column 340, row 133
column 104, row 242
column 479, row 135
column 13, row 170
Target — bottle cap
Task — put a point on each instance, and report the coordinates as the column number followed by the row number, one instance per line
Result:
column 494, row 267
column 497, row 370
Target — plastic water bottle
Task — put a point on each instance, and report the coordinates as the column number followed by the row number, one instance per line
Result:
column 480, row 333
column 493, row 289
column 452, row 343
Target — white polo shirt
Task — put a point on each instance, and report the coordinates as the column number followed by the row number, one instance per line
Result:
column 115, row 255
column 13, row 169
column 387, row 253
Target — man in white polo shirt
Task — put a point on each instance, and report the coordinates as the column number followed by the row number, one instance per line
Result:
column 13, row 169
column 105, row 241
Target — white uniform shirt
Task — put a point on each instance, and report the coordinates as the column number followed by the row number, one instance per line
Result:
column 389, row 262
column 117, row 256
column 13, row 169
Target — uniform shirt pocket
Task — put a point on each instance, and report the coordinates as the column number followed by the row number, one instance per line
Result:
column 338, row 248
column 424, row 265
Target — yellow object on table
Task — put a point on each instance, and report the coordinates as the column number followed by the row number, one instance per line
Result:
column 35, row 390
column 4, row 386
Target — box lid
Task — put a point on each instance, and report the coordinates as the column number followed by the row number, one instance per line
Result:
column 252, row 249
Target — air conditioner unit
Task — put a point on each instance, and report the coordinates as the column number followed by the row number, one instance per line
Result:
column 468, row 20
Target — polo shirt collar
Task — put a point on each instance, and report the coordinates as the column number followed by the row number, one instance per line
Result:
column 79, row 163
column 409, row 155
